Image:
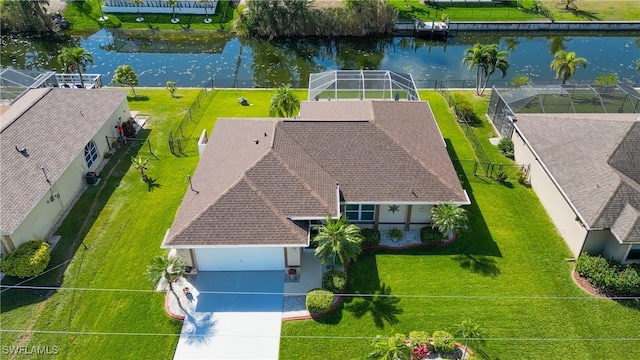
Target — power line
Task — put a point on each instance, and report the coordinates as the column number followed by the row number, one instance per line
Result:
column 335, row 337
column 33, row 277
column 418, row 296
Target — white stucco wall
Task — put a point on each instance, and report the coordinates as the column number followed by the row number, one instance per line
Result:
column 390, row 219
column 240, row 258
column 557, row 207
column 420, row 216
column 44, row 215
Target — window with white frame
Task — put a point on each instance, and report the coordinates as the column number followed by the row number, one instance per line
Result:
column 90, row 153
column 360, row 212
column 634, row 252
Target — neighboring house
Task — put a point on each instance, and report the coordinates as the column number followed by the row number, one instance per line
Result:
column 50, row 139
column 263, row 183
column 161, row 6
column 585, row 169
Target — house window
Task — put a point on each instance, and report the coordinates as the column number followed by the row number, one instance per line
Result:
column 90, row 153
column 358, row 212
column 634, row 253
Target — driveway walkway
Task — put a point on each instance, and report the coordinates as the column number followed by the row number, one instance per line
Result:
column 243, row 325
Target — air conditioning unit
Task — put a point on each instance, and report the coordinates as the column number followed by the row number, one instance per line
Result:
column 91, row 178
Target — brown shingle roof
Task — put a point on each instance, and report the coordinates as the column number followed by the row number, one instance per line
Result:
column 260, row 187
column 54, row 129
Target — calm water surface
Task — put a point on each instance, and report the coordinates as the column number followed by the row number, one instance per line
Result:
column 194, row 58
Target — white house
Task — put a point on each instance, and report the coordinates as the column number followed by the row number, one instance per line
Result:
column 262, row 183
column 50, row 138
column 585, row 168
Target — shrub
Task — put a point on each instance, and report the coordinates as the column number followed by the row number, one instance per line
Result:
column 396, row 234
column 609, row 276
column 334, row 280
column 502, row 177
column 443, row 342
column 319, row 301
column 418, row 338
column 464, row 109
column 371, row 237
column 430, row 235
column 29, row 259
column 506, row 147
column 522, row 178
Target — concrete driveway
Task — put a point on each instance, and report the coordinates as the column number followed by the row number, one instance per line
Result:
column 234, row 326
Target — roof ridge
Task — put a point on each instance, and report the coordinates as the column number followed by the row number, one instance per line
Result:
column 304, row 183
column 411, row 155
column 279, row 214
column 216, row 201
column 19, row 115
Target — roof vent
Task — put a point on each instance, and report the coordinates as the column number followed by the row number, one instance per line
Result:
column 256, row 141
column 22, row 151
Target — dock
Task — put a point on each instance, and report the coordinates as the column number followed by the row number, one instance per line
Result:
column 422, row 29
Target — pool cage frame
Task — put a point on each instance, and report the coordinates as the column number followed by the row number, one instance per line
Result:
column 504, row 104
column 362, row 85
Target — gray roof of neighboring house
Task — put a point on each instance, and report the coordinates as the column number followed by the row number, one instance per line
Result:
column 595, row 159
column 53, row 127
column 248, row 192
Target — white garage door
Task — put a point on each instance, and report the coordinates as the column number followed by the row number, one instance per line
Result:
column 240, row 259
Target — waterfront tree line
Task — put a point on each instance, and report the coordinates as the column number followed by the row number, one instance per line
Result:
column 273, row 19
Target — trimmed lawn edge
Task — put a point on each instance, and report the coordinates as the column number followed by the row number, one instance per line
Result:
column 168, row 311
column 586, row 286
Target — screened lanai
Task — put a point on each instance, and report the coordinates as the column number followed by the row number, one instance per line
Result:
column 559, row 99
column 362, row 84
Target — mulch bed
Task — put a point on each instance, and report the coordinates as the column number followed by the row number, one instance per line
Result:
column 586, row 286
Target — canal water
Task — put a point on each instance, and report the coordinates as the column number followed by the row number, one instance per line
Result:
column 200, row 58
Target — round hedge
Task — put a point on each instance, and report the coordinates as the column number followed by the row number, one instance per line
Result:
column 29, row 259
column 371, row 237
column 334, row 280
column 443, row 342
column 319, row 301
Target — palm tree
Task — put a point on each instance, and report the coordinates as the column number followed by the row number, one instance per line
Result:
column 168, row 267
column 470, row 331
column 284, row 103
column 565, row 64
column 173, row 4
column 393, row 348
column 338, row 242
column 206, row 3
column 137, row 3
column 75, row 57
column 638, row 65
column 486, row 59
column 448, row 217
column 141, row 165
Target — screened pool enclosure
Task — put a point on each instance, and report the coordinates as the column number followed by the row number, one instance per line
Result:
column 363, row 85
column 559, row 99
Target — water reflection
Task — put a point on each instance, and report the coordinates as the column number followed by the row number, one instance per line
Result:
column 197, row 58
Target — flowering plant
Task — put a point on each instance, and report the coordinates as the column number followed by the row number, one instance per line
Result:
column 292, row 271
column 420, row 351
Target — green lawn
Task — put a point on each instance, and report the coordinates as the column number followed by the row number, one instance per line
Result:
column 83, row 15
column 493, row 273
column 510, row 250
column 509, row 11
column 111, row 234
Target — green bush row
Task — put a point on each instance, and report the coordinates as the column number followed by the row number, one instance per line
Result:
column 463, row 107
column 611, row 277
column 443, row 342
column 334, row 280
column 319, row 301
column 29, row 259
column 371, row 237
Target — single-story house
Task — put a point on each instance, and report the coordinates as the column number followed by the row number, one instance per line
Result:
column 263, row 183
column 585, row 169
column 49, row 140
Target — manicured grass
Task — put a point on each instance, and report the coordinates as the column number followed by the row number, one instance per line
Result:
column 495, row 273
column 84, row 15
column 509, row 11
column 111, row 235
